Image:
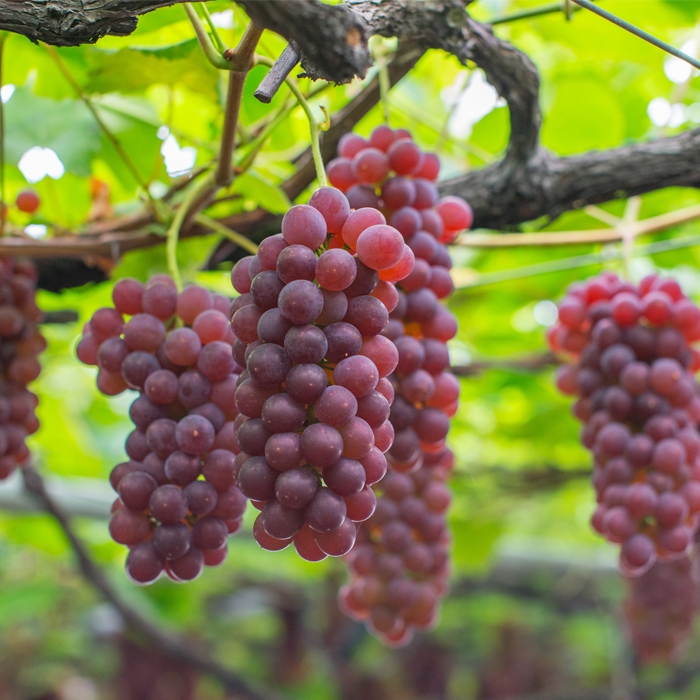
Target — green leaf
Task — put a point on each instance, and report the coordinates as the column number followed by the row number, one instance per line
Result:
column 253, row 186
column 65, row 126
column 136, row 69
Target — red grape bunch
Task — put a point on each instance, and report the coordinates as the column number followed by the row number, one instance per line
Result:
column 660, row 609
column 390, row 173
column 178, row 497
column 633, row 369
column 314, row 400
column 20, row 344
column 400, row 563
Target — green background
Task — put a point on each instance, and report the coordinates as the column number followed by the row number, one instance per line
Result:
column 535, row 595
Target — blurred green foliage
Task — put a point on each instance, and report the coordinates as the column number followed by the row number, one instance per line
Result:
column 597, row 86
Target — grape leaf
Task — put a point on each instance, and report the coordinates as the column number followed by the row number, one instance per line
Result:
column 65, row 126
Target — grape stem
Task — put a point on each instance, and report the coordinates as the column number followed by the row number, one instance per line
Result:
column 313, row 122
column 173, row 234
column 241, row 61
column 238, row 61
column 169, row 643
column 212, row 27
column 214, row 57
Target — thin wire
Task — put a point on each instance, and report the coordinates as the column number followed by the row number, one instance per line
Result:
column 639, row 32
column 548, row 9
column 579, row 261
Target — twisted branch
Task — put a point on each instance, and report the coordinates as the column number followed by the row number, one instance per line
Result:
column 171, row 645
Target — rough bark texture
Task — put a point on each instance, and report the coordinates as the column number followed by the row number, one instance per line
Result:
column 528, row 183
column 332, row 39
column 445, row 25
column 74, row 22
column 508, row 193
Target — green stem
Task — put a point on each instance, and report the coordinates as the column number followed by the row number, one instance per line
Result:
column 257, row 143
column 226, row 232
column 173, row 234
column 384, row 87
column 213, row 56
column 217, row 39
column 313, row 123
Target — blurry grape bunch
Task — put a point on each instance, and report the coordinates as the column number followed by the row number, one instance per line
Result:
column 178, row 498
column 633, row 369
column 20, row 344
column 660, row 608
column 400, row 562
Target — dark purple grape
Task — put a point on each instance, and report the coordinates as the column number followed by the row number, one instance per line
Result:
column 252, row 436
column 168, row 504
column 182, row 468
column 257, row 478
column 326, row 512
column 305, row 344
column 268, row 364
column 172, row 541
column 305, row 383
column 209, row 533
column 280, row 522
column 344, row 340
column 137, row 366
column 135, row 490
column 273, row 327
column 301, row 301
column 201, row 497
column 160, row 437
column 194, row 388
column 282, row 414
column 346, row 477
column 321, row 445
column 265, row 289
column 283, row 451
column 295, row 488
column 218, row 469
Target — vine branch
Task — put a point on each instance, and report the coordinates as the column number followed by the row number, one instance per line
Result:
column 170, row 644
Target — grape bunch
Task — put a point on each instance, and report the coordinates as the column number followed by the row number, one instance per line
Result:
column 178, row 496
column 660, row 608
column 314, row 401
column 20, row 344
column 389, row 173
column 632, row 367
column 400, row 563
